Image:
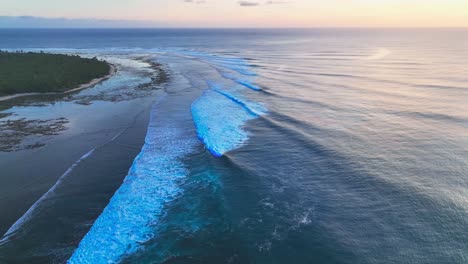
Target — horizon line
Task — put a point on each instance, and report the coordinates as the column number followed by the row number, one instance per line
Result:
column 244, row 28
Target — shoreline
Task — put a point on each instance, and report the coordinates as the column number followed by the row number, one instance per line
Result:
column 77, row 171
column 92, row 83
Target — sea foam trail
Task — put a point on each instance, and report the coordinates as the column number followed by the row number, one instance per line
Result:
column 31, row 211
column 219, row 118
column 28, row 215
column 248, row 84
column 241, row 81
column 136, row 207
column 255, row 109
column 220, row 113
column 152, row 182
column 238, row 65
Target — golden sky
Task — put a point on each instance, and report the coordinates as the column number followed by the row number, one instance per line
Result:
column 254, row 13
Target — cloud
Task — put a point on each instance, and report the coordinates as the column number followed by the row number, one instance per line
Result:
column 245, row 3
column 42, row 22
column 248, row 3
column 252, row 3
column 195, row 1
column 278, row 2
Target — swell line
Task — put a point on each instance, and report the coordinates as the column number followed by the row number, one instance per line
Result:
column 236, row 100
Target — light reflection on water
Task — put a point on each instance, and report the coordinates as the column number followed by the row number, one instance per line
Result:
column 362, row 157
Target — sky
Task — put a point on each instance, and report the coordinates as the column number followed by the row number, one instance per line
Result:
column 234, row 13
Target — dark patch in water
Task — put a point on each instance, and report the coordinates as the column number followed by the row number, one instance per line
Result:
column 13, row 133
column 3, row 115
column 433, row 116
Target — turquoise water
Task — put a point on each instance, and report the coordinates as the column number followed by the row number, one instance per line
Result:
column 302, row 146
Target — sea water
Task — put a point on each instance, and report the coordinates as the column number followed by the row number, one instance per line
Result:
column 276, row 146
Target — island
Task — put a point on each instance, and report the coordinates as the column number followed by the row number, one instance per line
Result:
column 26, row 73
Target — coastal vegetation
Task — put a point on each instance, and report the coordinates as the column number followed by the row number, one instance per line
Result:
column 28, row 72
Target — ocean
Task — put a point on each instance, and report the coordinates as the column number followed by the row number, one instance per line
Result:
column 263, row 146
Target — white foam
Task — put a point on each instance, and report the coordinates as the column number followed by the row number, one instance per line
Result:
column 152, row 182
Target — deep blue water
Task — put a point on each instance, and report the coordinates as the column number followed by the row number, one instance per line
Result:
column 288, row 146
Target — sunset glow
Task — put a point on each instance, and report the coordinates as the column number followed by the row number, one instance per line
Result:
column 253, row 13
